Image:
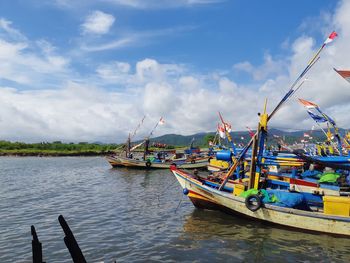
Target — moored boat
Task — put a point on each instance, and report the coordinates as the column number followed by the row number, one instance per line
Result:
column 203, row 196
column 251, row 196
column 187, row 163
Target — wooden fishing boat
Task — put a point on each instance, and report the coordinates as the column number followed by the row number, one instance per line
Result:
column 251, row 197
column 152, row 163
column 114, row 160
column 203, row 196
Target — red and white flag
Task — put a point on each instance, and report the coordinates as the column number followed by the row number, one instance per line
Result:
column 161, row 121
column 251, row 133
column 344, row 73
column 331, row 37
column 221, row 131
column 228, row 127
column 308, row 104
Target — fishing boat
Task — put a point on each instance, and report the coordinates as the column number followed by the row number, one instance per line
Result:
column 191, row 158
column 251, row 197
column 190, row 162
column 203, row 196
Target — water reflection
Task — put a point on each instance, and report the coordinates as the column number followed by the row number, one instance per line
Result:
column 133, row 216
column 255, row 241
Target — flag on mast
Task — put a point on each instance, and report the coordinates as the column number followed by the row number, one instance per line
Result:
column 221, row 130
column 316, row 117
column 330, row 38
column 308, row 104
column 344, row 73
column 251, row 133
column 228, row 127
column 161, row 121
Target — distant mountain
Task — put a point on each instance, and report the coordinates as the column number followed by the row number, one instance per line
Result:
column 182, row 140
column 243, row 137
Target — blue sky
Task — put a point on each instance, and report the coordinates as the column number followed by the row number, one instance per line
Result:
column 206, row 36
column 134, row 57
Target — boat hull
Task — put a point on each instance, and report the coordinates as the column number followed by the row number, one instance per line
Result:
column 204, row 196
column 134, row 163
column 114, row 161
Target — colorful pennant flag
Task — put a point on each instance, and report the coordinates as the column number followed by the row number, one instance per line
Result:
column 317, row 118
column 344, row 73
column 331, row 37
column 308, row 104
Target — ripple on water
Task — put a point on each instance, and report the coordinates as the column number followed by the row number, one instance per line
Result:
column 134, row 216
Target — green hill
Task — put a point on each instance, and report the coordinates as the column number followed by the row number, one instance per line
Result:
column 243, row 137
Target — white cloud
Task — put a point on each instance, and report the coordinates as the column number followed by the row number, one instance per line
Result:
column 98, row 22
column 269, row 68
column 116, row 44
column 26, row 62
column 160, row 4
column 131, row 39
column 188, row 100
column 114, row 72
column 5, row 26
column 25, row 67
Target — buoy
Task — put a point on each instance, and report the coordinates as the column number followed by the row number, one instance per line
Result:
column 185, row 191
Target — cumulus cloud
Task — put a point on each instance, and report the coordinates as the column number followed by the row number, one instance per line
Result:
column 75, row 112
column 269, row 68
column 188, row 100
column 26, row 62
column 98, row 22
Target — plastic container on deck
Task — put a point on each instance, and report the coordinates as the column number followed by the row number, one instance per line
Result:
column 336, row 205
column 224, row 155
column 238, row 189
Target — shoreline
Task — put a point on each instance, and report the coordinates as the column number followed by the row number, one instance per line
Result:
column 55, row 154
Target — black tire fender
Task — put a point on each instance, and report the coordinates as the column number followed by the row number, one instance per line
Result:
column 253, row 202
column 148, row 163
column 193, row 161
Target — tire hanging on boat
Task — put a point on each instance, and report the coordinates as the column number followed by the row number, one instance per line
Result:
column 148, row 164
column 253, row 202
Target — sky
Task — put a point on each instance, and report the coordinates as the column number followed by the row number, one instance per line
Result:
column 89, row 70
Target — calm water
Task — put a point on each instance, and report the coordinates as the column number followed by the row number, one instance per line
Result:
column 134, row 216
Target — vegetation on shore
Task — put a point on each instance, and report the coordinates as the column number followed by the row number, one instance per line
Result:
column 56, row 148
column 170, row 141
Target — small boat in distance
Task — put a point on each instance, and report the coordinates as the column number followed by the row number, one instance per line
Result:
column 191, row 158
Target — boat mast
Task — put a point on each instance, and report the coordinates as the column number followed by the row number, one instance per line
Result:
column 260, row 135
column 258, row 150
